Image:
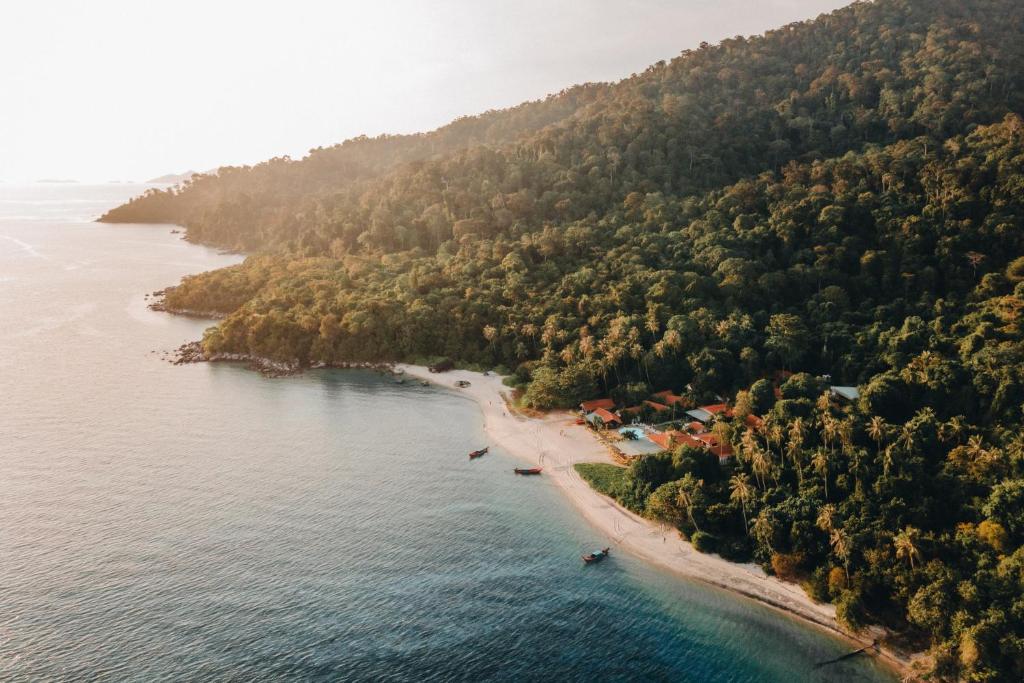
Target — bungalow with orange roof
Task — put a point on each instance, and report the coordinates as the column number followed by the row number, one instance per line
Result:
column 753, row 421
column 658, row 407
column 673, row 438
column 723, row 449
column 593, row 404
column 668, row 398
column 602, row 418
column 631, row 411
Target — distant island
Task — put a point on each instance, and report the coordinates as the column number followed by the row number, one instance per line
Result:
column 171, row 178
column 790, row 267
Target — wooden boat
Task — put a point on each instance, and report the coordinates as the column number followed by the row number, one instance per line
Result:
column 462, row 384
column 594, row 558
column 477, row 454
column 527, row 470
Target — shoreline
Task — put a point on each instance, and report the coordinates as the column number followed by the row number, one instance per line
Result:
column 555, row 443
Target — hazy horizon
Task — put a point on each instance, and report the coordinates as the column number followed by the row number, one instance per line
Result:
column 150, row 90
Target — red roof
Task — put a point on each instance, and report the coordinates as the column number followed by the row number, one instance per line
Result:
column 660, row 407
column 695, row 426
column 753, row 421
column 715, row 445
column 673, row 438
column 716, row 408
column 632, row 410
column 592, row 405
column 668, row 397
column 606, row 417
column 663, row 439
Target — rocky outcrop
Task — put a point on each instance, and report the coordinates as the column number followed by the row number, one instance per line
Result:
column 193, row 352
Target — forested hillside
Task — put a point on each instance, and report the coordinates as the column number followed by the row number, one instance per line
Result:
column 842, row 197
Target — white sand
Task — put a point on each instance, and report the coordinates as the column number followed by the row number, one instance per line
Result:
column 556, row 443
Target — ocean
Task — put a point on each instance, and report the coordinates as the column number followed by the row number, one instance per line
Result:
column 202, row 522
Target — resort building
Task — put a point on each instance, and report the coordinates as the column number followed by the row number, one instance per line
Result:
column 657, row 407
column 597, row 403
column 706, row 414
column 850, row 394
column 668, row 398
column 603, row 419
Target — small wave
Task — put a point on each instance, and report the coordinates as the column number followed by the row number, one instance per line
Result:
column 25, row 246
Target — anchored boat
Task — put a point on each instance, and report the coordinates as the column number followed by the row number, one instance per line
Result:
column 594, row 558
column 477, row 454
column 527, row 470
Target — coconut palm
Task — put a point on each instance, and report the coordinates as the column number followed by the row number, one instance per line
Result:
column 906, row 544
column 888, row 459
column 952, row 429
column 740, row 491
column 761, row 465
column 796, row 442
column 876, row 430
column 976, row 448
column 824, row 402
column 842, row 547
column 747, row 445
column 829, row 431
column 763, row 528
column 827, row 517
column 821, row 462
column 846, row 436
column 685, row 500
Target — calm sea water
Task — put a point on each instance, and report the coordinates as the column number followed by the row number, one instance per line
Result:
column 205, row 523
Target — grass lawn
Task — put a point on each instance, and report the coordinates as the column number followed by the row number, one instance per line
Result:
column 602, row 477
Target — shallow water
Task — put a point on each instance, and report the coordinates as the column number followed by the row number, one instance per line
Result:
column 205, row 523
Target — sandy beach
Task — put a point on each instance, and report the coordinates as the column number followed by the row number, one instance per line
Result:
column 556, row 443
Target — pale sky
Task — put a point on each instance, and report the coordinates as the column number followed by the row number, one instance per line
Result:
column 100, row 90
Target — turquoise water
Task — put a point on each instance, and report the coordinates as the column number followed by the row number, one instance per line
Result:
column 202, row 522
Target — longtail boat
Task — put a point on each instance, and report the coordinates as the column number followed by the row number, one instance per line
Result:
column 477, row 454
column 527, row 470
column 593, row 558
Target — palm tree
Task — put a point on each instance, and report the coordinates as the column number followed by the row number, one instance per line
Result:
column 830, row 430
column 740, row 491
column 842, row 546
column 747, row 445
column 760, row 465
column 686, row 501
column 846, row 436
column 763, row 529
column 876, row 430
column 827, row 517
column 820, row 463
column 906, row 544
column 976, row 448
column 888, row 459
column 796, row 442
column 908, row 437
column 952, row 429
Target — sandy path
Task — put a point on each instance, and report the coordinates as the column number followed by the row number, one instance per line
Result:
column 556, row 443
